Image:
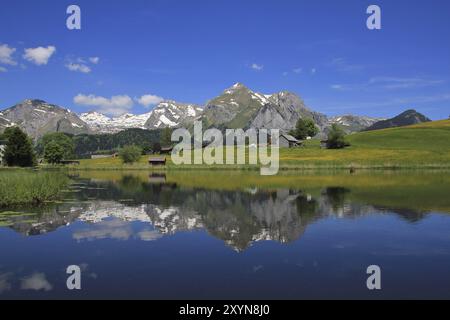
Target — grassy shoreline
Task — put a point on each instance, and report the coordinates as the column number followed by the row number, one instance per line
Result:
column 18, row 187
column 288, row 167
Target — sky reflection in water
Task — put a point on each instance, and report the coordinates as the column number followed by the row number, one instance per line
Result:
column 153, row 237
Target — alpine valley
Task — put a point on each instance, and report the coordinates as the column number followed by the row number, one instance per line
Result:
column 236, row 107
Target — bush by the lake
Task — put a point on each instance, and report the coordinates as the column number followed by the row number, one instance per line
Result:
column 53, row 152
column 130, row 154
column 336, row 138
column 28, row 187
column 63, row 140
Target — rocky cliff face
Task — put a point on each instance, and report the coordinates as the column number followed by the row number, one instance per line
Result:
column 37, row 117
column 4, row 123
column 283, row 110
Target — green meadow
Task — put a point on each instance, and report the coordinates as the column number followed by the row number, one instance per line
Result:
column 420, row 146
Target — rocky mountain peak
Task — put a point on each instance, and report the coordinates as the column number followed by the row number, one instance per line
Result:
column 34, row 102
column 237, row 86
column 37, row 117
column 406, row 118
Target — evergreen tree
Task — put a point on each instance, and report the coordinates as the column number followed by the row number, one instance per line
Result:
column 166, row 137
column 156, row 148
column 19, row 148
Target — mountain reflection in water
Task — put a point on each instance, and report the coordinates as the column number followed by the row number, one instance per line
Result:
column 232, row 235
column 237, row 217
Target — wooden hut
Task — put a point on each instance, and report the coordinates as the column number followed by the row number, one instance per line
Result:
column 160, row 161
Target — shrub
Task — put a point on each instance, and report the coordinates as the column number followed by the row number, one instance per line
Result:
column 53, row 152
column 130, row 154
column 305, row 128
column 63, row 140
column 336, row 138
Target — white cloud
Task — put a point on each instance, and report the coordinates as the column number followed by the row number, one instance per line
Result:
column 257, row 67
column 337, row 87
column 113, row 229
column 78, row 67
column 94, row 60
column 6, row 53
column 342, row 65
column 400, row 101
column 149, row 235
column 388, row 83
column 81, row 64
column 285, row 73
column 313, row 71
column 297, row 70
column 116, row 105
column 148, row 100
column 37, row 281
column 402, row 83
column 39, row 55
column 3, row 69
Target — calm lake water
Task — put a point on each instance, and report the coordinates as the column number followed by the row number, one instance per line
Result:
column 233, row 235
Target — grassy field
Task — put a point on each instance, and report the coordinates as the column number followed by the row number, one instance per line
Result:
column 29, row 187
column 419, row 146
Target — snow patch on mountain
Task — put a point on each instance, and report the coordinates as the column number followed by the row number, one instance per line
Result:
column 353, row 123
column 103, row 124
column 172, row 114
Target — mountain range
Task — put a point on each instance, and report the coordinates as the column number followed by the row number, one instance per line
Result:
column 235, row 107
column 166, row 114
column 351, row 123
column 409, row 117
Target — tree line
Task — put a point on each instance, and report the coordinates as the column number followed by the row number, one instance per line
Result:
column 55, row 147
column 129, row 144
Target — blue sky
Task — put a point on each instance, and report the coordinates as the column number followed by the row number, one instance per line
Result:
column 190, row 51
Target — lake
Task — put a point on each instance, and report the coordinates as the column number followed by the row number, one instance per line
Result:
column 233, row 235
